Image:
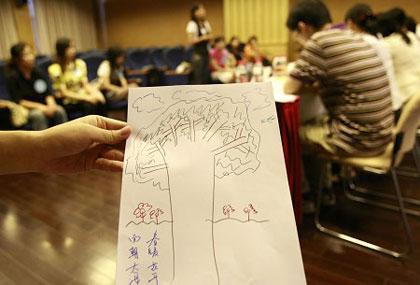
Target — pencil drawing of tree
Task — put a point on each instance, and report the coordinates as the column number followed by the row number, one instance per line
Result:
column 216, row 136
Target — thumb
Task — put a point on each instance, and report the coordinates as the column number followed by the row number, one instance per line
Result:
column 110, row 137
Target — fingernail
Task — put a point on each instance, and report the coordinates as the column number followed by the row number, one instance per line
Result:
column 125, row 132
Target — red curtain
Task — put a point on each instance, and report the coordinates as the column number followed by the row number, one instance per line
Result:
column 288, row 117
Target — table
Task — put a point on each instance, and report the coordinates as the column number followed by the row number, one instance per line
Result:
column 287, row 109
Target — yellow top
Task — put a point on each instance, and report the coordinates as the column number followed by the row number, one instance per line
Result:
column 74, row 76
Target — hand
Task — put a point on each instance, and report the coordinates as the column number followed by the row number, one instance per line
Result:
column 100, row 97
column 49, row 110
column 97, row 97
column 4, row 104
column 207, row 37
column 122, row 92
column 91, row 142
column 90, row 99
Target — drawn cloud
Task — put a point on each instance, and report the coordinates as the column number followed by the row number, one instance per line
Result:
column 143, row 103
column 257, row 99
column 194, row 95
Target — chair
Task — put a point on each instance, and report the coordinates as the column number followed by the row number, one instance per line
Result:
column 173, row 57
column 3, row 90
column 386, row 163
column 188, row 54
column 413, row 171
column 138, row 58
column 93, row 59
column 40, row 57
column 43, row 64
column 137, row 63
column 157, row 58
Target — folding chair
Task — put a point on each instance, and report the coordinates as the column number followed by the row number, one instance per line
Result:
column 386, row 163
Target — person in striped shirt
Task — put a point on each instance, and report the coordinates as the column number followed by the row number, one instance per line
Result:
column 348, row 74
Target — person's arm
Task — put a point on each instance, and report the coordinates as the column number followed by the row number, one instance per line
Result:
column 307, row 72
column 107, row 85
column 192, row 33
column 124, row 82
column 66, row 93
column 12, row 87
column 249, row 53
column 194, row 39
column 214, row 65
column 91, row 142
column 51, row 101
column 292, row 86
column 32, row 105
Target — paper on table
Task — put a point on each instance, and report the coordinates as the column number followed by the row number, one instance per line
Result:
column 205, row 198
column 279, row 95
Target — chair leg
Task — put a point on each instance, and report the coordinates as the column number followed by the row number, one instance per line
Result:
column 409, row 171
column 352, row 189
column 363, row 243
column 407, row 229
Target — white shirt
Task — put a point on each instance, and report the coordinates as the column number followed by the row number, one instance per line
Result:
column 406, row 63
column 386, row 58
column 192, row 28
column 104, row 70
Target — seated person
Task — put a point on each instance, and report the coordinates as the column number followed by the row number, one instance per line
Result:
column 236, row 48
column 353, row 86
column 404, row 47
column 253, row 53
column 112, row 75
column 222, row 63
column 30, row 88
column 12, row 116
column 360, row 19
column 69, row 78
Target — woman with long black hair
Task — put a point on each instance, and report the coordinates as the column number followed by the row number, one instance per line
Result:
column 404, row 47
column 361, row 19
column 199, row 36
column 113, row 76
column 70, row 82
column 30, row 88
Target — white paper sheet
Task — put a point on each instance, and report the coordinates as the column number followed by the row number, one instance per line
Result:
column 205, row 198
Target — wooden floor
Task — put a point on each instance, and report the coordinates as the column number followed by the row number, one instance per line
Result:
column 63, row 230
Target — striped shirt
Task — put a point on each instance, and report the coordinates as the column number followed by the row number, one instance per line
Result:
column 354, row 88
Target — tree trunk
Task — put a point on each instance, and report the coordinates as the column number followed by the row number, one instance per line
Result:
column 192, row 190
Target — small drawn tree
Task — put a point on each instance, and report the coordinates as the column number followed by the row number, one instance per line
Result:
column 155, row 213
column 141, row 211
column 219, row 129
column 248, row 210
column 227, row 210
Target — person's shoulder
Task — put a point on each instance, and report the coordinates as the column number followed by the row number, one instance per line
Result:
column 372, row 40
column 191, row 25
column 80, row 62
column 331, row 34
column 105, row 64
column 332, row 37
column 10, row 73
column 104, row 68
column 54, row 69
column 394, row 39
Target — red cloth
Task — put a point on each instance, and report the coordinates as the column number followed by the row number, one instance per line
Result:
column 288, row 118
